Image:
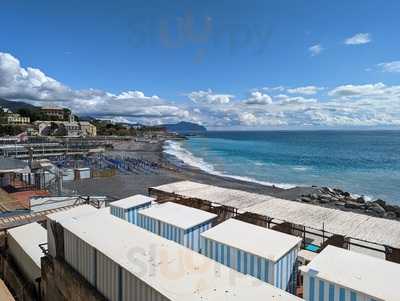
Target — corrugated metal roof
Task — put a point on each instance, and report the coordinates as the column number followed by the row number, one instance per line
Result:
column 133, row 201
column 180, row 216
column 372, row 276
column 29, row 237
column 223, row 196
column 178, row 273
column 253, row 239
column 354, row 225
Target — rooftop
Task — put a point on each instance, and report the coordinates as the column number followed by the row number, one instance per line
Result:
column 80, row 211
column 253, row 239
column 132, row 201
column 366, row 274
column 203, row 279
column 52, row 108
column 177, row 215
column 29, row 237
column 13, row 165
column 223, row 196
column 354, row 225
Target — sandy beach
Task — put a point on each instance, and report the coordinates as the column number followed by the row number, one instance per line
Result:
column 173, row 170
column 121, row 186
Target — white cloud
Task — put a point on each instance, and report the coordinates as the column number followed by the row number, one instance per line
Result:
column 358, row 39
column 393, row 67
column 316, row 49
column 358, row 90
column 274, row 89
column 258, row 98
column 34, row 86
column 208, row 97
column 307, row 90
column 371, row 104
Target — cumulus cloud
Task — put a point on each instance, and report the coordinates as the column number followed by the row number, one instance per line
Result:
column 208, row 97
column 258, row 98
column 315, row 49
column 358, row 39
column 370, row 104
column 307, row 90
column 393, row 67
column 34, row 86
column 274, row 89
column 359, row 90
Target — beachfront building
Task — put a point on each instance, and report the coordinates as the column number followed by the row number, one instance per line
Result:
column 177, row 222
column 260, row 252
column 129, row 207
column 88, row 129
column 56, row 112
column 24, row 247
column 14, row 118
column 341, row 275
column 124, row 262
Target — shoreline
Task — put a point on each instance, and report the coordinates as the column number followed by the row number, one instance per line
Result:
column 174, row 170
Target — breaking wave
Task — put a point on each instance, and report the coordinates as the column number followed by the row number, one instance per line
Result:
column 175, row 149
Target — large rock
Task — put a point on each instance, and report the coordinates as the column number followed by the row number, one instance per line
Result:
column 306, row 199
column 380, row 202
column 391, row 215
column 340, row 204
column 360, row 200
column 354, row 205
column 393, row 208
column 377, row 208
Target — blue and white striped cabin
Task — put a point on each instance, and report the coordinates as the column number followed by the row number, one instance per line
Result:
column 128, row 208
column 266, row 254
column 340, row 275
column 176, row 222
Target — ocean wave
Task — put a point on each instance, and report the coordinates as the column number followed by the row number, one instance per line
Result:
column 300, row 168
column 175, row 149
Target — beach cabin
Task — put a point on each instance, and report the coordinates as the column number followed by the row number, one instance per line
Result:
column 54, row 218
column 82, row 173
column 340, row 275
column 260, row 252
column 23, row 245
column 128, row 208
column 177, row 222
column 124, row 262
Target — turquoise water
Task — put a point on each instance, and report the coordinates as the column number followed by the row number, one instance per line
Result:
column 361, row 162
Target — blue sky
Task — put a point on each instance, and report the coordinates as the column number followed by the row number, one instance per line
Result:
column 225, row 64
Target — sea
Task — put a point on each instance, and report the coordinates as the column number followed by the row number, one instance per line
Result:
column 361, row 162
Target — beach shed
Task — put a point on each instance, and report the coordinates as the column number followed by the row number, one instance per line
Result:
column 176, row 222
column 263, row 253
column 82, row 173
column 57, row 217
column 342, row 275
column 135, row 264
column 23, row 245
column 129, row 207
